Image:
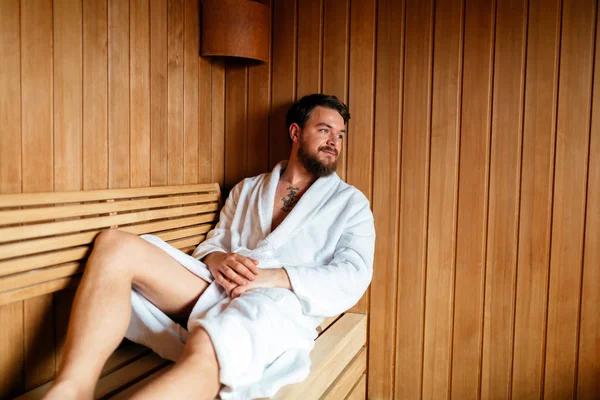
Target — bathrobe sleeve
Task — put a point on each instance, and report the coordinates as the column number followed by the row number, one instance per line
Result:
column 219, row 239
column 328, row 290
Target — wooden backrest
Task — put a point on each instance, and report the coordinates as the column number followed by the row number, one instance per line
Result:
column 45, row 238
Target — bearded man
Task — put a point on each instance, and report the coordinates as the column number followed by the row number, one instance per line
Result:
column 239, row 316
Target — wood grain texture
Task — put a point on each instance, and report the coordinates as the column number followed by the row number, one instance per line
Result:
column 140, row 88
column 505, row 182
column 588, row 365
column 158, row 93
column 95, row 95
column 10, row 101
column 571, row 165
column 443, row 199
column 118, row 94
column 283, row 81
column 310, row 47
column 336, row 41
column 204, row 120
column 414, row 184
column 175, row 91
column 535, row 223
column 36, row 96
column 191, row 46
column 359, row 391
column 11, row 315
column 236, row 126
column 68, row 101
column 38, row 323
column 38, row 163
column 361, row 100
column 472, row 199
column 218, row 122
column 386, row 175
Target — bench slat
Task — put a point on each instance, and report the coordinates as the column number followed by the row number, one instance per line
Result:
column 55, row 228
column 33, row 246
column 348, row 378
column 29, row 278
column 48, row 213
column 359, row 392
column 29, row 199
column 333, row 351
column 38, row 290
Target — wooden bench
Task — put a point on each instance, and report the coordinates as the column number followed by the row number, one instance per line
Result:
column 45, row 239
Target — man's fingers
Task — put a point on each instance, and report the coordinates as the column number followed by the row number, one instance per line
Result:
column 233, row 276
column 242, row 269
column 221, row 280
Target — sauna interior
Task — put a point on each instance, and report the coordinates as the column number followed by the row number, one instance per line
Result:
column 475, row 134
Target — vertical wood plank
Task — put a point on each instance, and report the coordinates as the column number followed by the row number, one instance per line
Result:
column 505, row 174
column 191, row 49
column 118, row 94
column 68, row 102
column 536, row 198
column 363, row 25
column 259, row 99
column 158, row 93
column 472, row 199
column 336, row 31
column 236, row 74
column 139, row 46
column 218, row 122
column 38, row 172
column 414, row 178
column 12, row 361
column 588, row 368
column 36, row 89
column 441, row 242
column 576, row 65
column 11, row 315
column 386, row 175
column 283, row 83
column 361, row 94
column 175, row 91
column 38, row 316
column 310, row 47
column 204, row 120
column 68, row 128
column 95, row 92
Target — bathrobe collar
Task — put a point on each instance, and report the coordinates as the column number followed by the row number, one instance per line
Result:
column 312, row 200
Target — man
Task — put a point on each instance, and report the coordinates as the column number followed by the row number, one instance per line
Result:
column 291, row 247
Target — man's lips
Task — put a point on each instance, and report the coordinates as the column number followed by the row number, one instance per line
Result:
column 330, row 151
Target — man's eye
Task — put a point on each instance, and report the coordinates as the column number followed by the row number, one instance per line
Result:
column 324, row 131
column 340, row 137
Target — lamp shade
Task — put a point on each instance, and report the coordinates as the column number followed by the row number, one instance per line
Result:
column 235, row 28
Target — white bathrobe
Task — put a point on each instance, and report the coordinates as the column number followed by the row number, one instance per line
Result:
column 264, row 337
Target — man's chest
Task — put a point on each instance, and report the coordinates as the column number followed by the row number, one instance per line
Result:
column 286, row 198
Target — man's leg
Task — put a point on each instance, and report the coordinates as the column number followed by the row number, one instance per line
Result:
column 194, row 376
column 102, row 306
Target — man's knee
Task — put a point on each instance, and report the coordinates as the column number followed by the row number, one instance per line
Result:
column 200, row 345
column 112, row 248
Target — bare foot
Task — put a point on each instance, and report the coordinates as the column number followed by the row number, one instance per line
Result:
column 67, row 390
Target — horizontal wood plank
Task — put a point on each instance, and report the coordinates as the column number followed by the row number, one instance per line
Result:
column 348, row 378
column 50, row 213
column 18, row 249
column 30, row 199
column 56, row 228
column 332, row 353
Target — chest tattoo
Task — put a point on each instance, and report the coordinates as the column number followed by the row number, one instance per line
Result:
column 291, row 200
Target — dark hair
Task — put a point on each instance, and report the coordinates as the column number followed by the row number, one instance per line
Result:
column 301, row 110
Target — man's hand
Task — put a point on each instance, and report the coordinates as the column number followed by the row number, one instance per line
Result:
column 231, row 270
column 268, row 278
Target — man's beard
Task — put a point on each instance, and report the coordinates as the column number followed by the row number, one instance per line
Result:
column 312, row 164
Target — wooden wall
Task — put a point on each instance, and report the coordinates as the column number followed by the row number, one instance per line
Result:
column 474, row 133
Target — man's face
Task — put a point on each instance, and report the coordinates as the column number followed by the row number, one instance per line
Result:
column 320, row 141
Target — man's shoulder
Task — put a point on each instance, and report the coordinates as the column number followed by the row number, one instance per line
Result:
column 351, row 193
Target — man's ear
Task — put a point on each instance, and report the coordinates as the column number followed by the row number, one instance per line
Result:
column 294, row 132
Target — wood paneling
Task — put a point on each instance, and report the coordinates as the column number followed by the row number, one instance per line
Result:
column 505, row 185
column 570, row 188
column 480, row 158
column 443, row 193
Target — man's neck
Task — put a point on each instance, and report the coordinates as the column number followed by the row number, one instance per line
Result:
column 296, row 174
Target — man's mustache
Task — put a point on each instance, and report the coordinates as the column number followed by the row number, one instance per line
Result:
column 331, row 149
